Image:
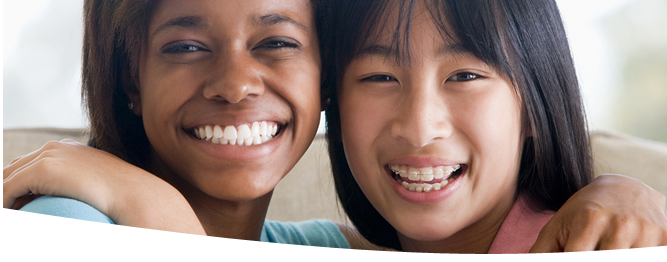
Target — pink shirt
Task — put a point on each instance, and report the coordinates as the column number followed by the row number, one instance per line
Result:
column 520, row 228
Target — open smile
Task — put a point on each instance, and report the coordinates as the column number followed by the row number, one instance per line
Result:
column 426, row 184
column 255, row 133
column 425, row 179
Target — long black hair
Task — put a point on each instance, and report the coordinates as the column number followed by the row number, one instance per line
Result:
column 524, row 40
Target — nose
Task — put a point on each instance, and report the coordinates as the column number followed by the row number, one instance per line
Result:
column 236, row 76
column 423, row 117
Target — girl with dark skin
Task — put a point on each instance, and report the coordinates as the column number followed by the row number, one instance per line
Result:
column 206, row 63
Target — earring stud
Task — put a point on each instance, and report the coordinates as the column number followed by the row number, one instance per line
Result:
column 130, row 105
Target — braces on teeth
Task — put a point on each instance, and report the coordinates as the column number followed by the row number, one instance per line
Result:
column 403, row 174
column 257, row 133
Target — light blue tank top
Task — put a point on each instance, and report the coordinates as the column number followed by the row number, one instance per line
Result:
column 52, row 217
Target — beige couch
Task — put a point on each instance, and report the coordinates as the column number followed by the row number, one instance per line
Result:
column 307, row 191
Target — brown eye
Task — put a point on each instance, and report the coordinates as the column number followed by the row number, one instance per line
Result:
column 278, row 43
column 462, row 77
column 379, row 78
column 182, row 47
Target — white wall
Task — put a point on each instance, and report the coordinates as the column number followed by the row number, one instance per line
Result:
column 42, row 42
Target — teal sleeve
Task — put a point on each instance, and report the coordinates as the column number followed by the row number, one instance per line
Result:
column 53, row 217
column 318, row 232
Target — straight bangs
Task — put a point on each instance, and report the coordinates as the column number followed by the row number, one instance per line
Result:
column 360, row 25
column 523, row 40
column 467, row 24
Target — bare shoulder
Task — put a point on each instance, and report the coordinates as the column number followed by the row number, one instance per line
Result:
column 69, row 246
column 356, row 240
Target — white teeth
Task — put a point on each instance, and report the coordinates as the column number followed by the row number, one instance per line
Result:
column 263, row 129
column 217, row 131
column 438, row 173
column 209, row 132
column 230, row 133
column 427, row 187
column 424, row 187
column 254, row 130
column 246, row 134
column 425, row 174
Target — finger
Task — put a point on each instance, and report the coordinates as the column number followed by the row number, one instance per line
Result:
column 649, row 235
column 27, row 178
column 13, row 187
column 549, row 241
column 23, row 160
column 585, row 232
column 15, row 159
column 25, row 199
column 616, row 239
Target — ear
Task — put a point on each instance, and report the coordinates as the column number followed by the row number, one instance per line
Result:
column 132, row 92
column 135, row 102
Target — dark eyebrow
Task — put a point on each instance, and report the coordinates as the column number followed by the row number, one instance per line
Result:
column 185, row 22
column 273, row 19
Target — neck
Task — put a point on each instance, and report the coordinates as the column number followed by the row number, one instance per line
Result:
column 219, row 217
column 474, row 239
column 230, row 219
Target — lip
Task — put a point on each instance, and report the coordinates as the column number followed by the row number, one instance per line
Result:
column 423, row 161
column 425, row 197
column 236, row 152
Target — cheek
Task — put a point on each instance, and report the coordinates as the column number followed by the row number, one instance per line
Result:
column 360, row 123
column 495, row 129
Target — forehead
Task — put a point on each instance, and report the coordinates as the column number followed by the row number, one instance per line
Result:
column 214, row 13
column 397, row 29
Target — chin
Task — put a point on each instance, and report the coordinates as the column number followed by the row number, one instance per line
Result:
column 432, row 232
column 238, row 186
column 244, row 192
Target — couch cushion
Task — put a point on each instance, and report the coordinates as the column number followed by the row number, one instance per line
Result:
column 307, row 192
column 618, row 153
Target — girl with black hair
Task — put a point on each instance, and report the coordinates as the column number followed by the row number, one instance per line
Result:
column 159, row 76
column 455, row 126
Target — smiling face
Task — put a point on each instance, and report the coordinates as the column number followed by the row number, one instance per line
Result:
column 229, row 92
column 434, row 145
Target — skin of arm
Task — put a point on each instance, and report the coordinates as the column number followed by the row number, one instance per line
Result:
column 613, row 212
column 127, row 194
